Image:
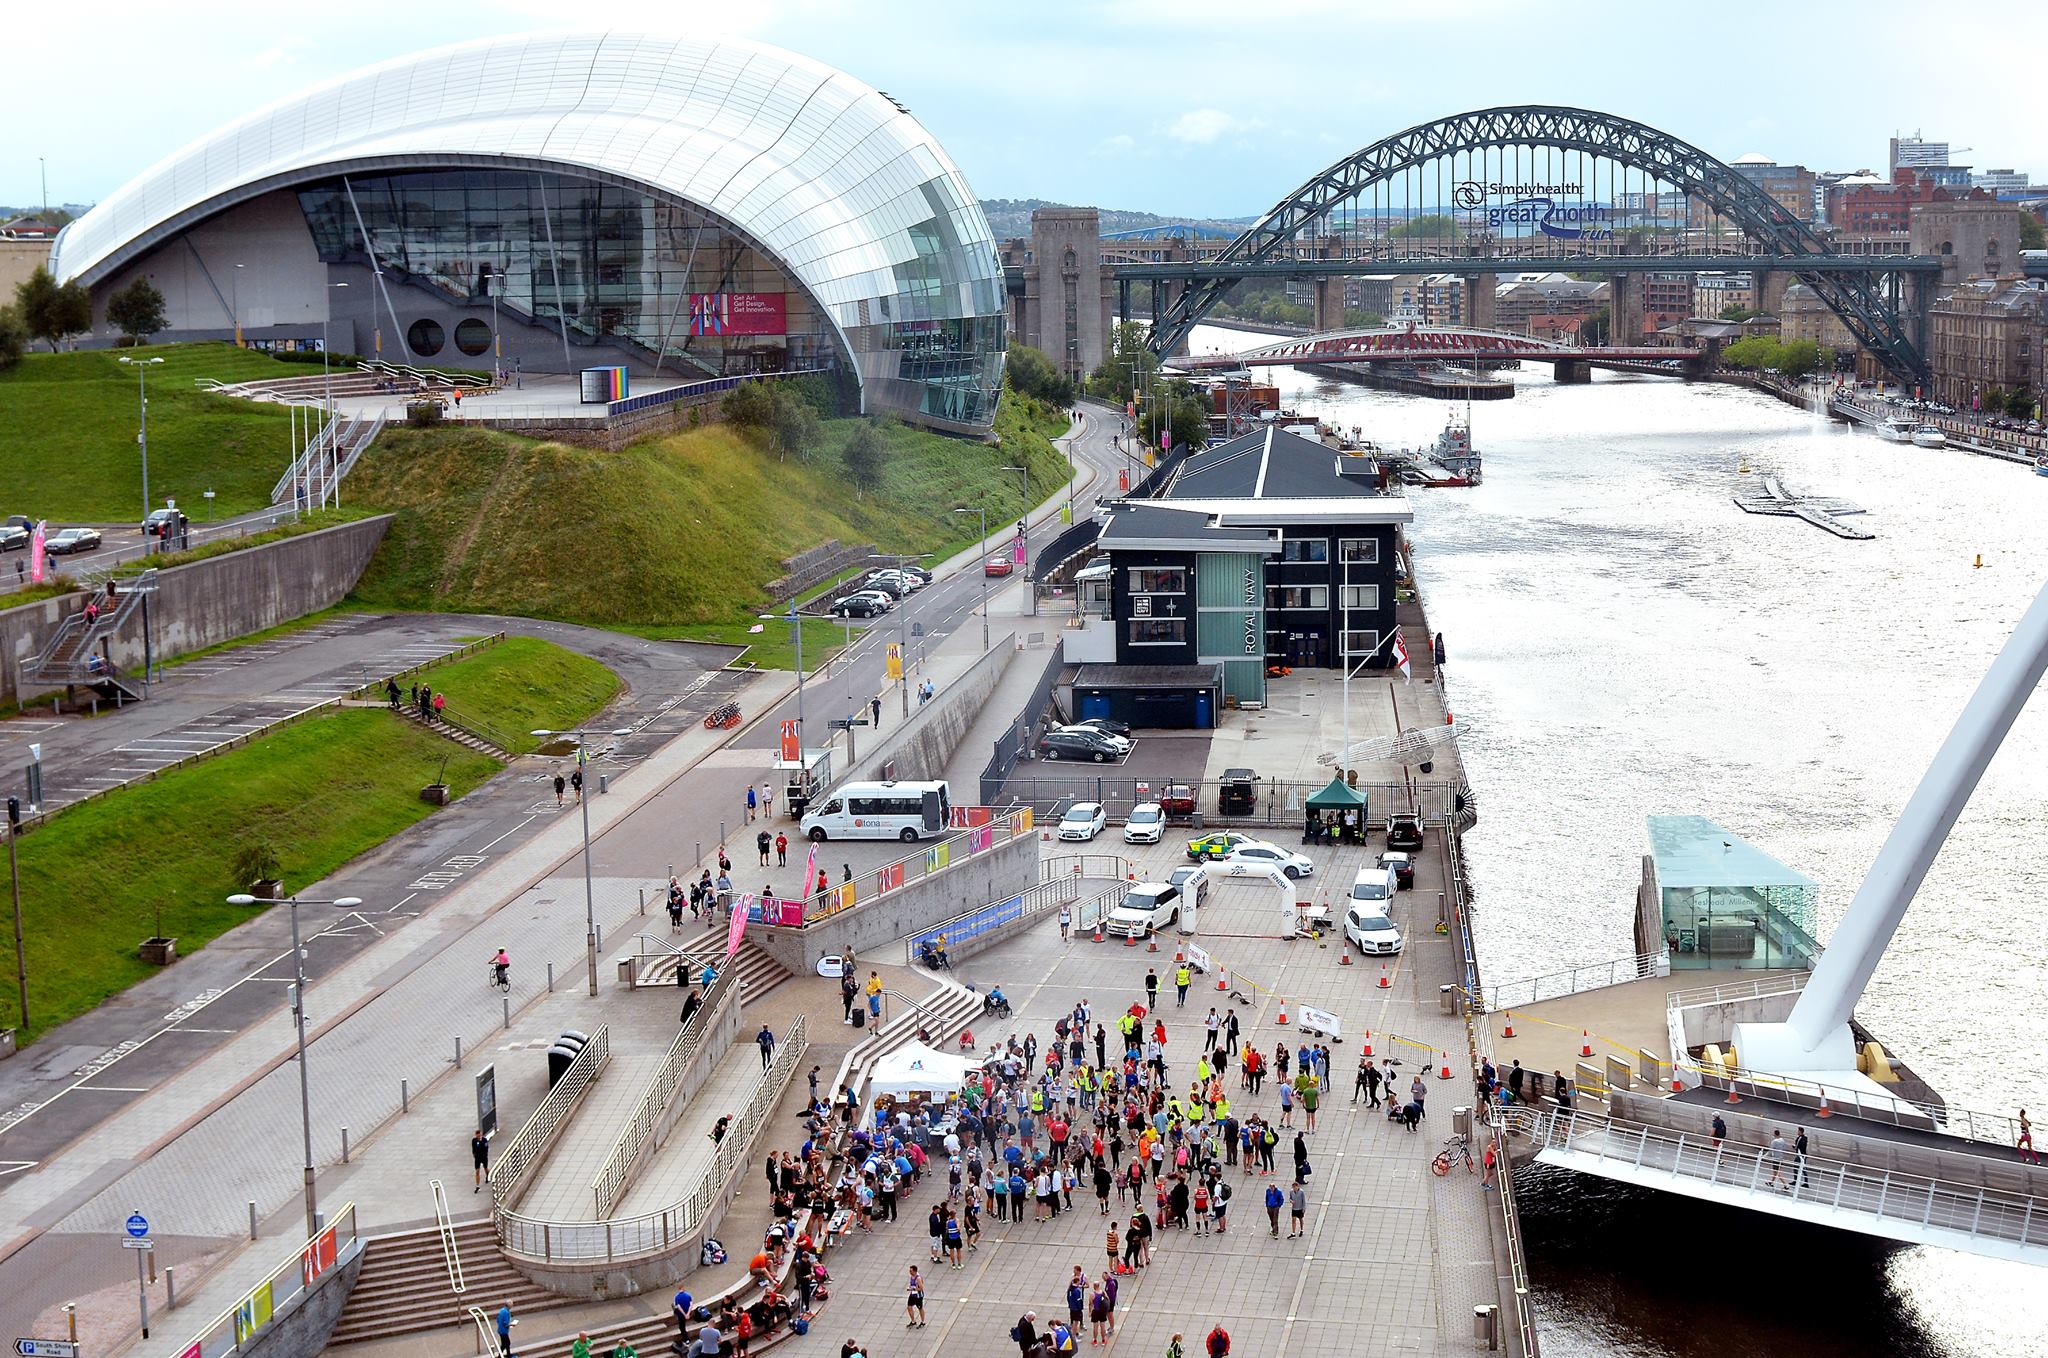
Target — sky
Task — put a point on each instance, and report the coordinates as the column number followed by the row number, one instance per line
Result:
column 1183, row 107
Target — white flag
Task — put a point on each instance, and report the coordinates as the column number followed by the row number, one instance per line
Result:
column 1401, row 657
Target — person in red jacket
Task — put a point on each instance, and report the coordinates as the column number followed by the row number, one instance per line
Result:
column 1219, row 1342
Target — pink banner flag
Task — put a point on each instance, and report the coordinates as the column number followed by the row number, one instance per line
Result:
column 741, row 908
column 35, row 552
column 810, row 873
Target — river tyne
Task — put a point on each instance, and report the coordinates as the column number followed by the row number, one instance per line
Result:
column 1625, row 642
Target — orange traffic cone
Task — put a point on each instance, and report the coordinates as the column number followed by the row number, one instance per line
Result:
column 1098, row 931
column 1585, row 1043
column 1282, row 1020
column 1678, row 1086
column 1131, row 940
column 1368, row 1043
column 1223, row 979
column 1445, row 1073
column 1823, row 1111
column 1733, row 1097
column 1180, row 955
column 1508, row 1028
column 1345, row 960
column 1384, row 982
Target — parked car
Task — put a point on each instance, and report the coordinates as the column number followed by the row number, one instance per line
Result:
column 1146, row 908
column 858, row 606
column 1193, row 881
column 1178, row 799
column 893, row 588
column 1404, row 831
column 1145, row 824
column 920, row 572
column 1240, row 795
column 1121, row 744
column 1272, row 856
column 1076, row 745
column 1109, row 724
column 13, row 537
column 1371, row 929
column 997, row 566
column 1403, row 865
column 155, row 520
column 903, row 580
column 1083, row 821
column 69, row 540
column 1216, row 845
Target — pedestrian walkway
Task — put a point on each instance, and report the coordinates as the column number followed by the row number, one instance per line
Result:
column 674, row 1171
column 561, row 1190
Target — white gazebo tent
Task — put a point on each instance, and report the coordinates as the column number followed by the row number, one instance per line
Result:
column 918, row 1069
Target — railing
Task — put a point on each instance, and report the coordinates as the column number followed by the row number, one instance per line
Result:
column 1085, row 865
column 929, row 860
column 617, row 1171
column 281, row 1292
column 1754, row 988
column 1033, row 900
column 1989, row 1129
column 486, row 1333
column 652, row 1233
column 94, row 569
column 1571, row 980
column 1912, row 1200
column 444, row 1225
column 1050, row 786
column 527, row 1148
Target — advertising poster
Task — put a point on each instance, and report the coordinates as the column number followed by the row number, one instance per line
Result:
column 739, row 313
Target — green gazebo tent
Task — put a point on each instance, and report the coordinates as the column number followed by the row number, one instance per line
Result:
column 1327, row 808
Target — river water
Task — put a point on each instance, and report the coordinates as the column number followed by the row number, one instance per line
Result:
column 1626, row 643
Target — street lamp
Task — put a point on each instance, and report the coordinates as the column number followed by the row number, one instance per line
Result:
column 299, row 1018
column 982, row 509
column 796, row 632
column 1023, row 539
column 142, row 435
column 903, row 623
column 589, row 895
column 326, row 382
column 235, row 301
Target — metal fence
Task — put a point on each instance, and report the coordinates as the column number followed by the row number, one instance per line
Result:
column 1046, row 895
column 616, row 1173
column 1281, row 804
column 674, row 1226
column 1571, row 980
column 91, row 571
column 281, row 1292
column 1010, row 746
column 527, row 1148
column 928, row 861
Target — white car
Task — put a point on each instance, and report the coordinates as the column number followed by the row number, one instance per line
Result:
column 1145, row 824
column 1083, row 821
column 1371, row 930
column 1121, row 744
column 879, row 597
column 1272, row 856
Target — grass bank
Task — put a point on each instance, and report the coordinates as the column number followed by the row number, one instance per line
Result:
column 522, row 685
column 681, row 531
column 93, row 878
column 68, row 423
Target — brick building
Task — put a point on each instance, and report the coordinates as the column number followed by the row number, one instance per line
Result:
column 1985, row 333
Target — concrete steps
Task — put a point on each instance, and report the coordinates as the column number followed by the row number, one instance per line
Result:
column 760, row 972
column 450, row 730
column 404, row 1286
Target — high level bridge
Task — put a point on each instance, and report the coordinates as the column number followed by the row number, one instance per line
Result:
column 1445, row 344
column 1539, row 188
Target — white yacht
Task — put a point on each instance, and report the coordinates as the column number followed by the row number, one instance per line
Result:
column 1927, row 436
column 1898, row 429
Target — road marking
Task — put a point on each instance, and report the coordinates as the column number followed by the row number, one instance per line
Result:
column 16, row 1166
column 112, row 1089
column 514, row 830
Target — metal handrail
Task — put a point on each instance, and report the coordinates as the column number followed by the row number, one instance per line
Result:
column 444, row 1225
column 615, row 1175
column 1866, row 1107
column 533, row 1139
column 1032, row 900
column 1588, row 976
column 486, row 1333
column 1942, row 1204
column 831, row 901
column 652, row 1233
column 281, row 1290
column 1755, row 988
column 1077, row 865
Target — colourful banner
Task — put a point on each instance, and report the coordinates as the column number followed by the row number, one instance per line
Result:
column 967, row 817
column 844, row 894
column 318, row 1256
column 895, row 660
column 811, row 870
column 253, row 1314
column 937, row 856
column 741, row 910
column 980, row 839
column 1017, row 550
column 739, row 313
column 37, row 559
column 791, row 739
column 889, row 878
column 1024, row 819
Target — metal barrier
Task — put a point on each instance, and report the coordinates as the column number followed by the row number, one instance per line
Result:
column 1086, row 865
column 1988, row 1129
column 1571, row 980
column 931, row 859
column 1009, row 747
column 652, row 1233
column 282, row 1291
column 1053, row 785
column 617, row 1171
column 527, row 1148
column 444, row 1225
column 94, row 570
column 1033, row 900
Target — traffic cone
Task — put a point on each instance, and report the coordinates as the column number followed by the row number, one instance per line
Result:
column 1282, row 1020
column 1368, row 1043
column 1098, row 931
column 1733, row 1097
column 1445, row 1073
column 1508, row 1029
column 1130, row 940
column 1345, row 960
column 1384, row 982
column 1585, row 1043
column 1180, row 955
column 1823, row 1111
column 1223, row 979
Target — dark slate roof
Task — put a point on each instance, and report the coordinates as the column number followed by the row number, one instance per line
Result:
column 1149, row 676
column 1268, row 463
column 1136, row 523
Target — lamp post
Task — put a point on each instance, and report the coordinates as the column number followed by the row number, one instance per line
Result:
column 903, row 623
column 141, row 366
column 589, row 894
column 982, row 509
column 326, row 378
column 299, row 1019
column 235, row 301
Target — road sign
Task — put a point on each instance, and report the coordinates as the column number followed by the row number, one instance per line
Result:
column 144, row 1243
column 138, row 1225
column 46, row 1348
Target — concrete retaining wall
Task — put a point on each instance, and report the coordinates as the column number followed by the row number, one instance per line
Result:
column 923, row 746
column 302, row 1331
column 208, row 602
column 1002, row 872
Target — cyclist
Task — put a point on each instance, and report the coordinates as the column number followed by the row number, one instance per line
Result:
column 501, row 970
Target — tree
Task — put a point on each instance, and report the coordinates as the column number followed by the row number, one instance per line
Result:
column 1752, row 352
column 1737, row 312
column 13, row 338
column 793, row 426
column 2033, row 235
column 137, row 310
column 864, row 454
column 51, row 312
column 1432, row 224
column 1593, row 329
column 748, row 406
column 1797, row 358
column 1128, row 366
column 1032, row 374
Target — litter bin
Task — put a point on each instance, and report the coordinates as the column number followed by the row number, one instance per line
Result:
column 626, row 972
column 1461, row 1122
column 1447, row 996
column 1486, row 1326
column 563, row 1054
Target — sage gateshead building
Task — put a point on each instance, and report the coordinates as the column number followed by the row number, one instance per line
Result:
column 549, row 203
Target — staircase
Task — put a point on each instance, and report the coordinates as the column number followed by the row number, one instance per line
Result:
column 451, row 728
column 404, row 1286
column 759, row 972
column 68, row 656
column 330, row 456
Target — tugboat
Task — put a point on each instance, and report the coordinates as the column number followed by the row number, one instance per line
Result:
column 1453, row 452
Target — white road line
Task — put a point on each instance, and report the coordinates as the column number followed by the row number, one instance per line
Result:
column 112, row 1089
column 513, row 831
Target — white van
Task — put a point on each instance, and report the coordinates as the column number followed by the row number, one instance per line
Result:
column 1375, row 885
column 902, row 810
column 1147, row 907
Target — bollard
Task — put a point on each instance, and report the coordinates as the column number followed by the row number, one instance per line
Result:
column 344, row 1144
column 170, row 1289
column 551, row 978
column 458, row 1066
column 643, row 900
column 604, row 782
column 600, row 937
column 252, row 1220
column 71, row 1317
column 404, row 1096
column 507, row 1002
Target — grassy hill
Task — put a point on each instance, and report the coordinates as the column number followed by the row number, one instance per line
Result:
column 681, row 529
column 68, row 424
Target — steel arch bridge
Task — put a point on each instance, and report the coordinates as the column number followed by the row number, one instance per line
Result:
column 1873, row 319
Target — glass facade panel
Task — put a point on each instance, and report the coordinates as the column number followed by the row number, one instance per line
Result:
column 1727, row 904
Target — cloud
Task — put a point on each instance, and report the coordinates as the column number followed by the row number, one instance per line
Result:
column 1122, row 144
column 1200, row 126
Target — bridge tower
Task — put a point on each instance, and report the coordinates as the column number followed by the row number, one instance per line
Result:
column 1482, row 311
column 1329, row 292
column 1624, row 308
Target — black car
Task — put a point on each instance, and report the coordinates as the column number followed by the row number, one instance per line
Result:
column 1109, row 724
column 1240, row 793
column 921, row 573
column 887, row 586
column 853, row 606
column 1072, row 744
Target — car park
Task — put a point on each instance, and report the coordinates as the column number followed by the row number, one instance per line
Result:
column 997, row 566
column 1107, row 724
column 1121, row 744
column 858, row 606
column 1371, row 929
column 902, row 580
column 1146, row 908
column 1083, row 821
column 1145, row 824
column 1240, row 794
column 1192, row 879
column 1216, row 845
column 1403, row 866
column 1263, row 854
column 1404, row 831
column 895, row 589
column 69, row 540
column 1077, row 745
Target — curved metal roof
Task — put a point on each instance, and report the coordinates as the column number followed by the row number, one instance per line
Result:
column 825, row 171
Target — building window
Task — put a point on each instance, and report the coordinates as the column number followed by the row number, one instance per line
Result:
column 1359, row 551
column 1159, row 631
column 1159, row 580
column 1361, row 596
column 1306, row 549
column 1298, row 596
column 1362, row 643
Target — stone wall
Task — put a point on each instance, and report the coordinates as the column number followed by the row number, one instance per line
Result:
column 923, row 746
column 301, row 1332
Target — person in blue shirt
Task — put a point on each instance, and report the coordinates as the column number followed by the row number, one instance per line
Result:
column 1013, row 1155
column 1275, row 1199
column 505, row 1330
column 681, row 1308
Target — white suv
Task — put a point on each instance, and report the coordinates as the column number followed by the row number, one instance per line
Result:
column 1145, row 824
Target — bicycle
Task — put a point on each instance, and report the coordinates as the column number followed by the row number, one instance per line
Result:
column 501, row 979
column 1453, row 1149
